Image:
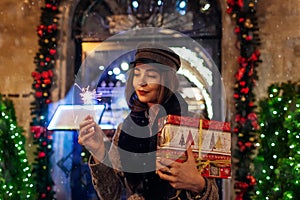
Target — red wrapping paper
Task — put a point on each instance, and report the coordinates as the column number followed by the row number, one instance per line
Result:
column 210, row 142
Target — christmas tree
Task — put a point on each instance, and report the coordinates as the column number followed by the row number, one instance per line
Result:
column 277, row 165
column 15, row 172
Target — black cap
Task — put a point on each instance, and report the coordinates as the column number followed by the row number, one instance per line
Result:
column 157, row 54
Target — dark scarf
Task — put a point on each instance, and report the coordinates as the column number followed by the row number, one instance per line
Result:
column 138, row 157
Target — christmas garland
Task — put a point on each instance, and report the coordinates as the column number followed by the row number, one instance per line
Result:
column 246, row 126
column 44, row 79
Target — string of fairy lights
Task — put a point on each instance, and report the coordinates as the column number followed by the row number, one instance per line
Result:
column 277, row 164
column 16, row 180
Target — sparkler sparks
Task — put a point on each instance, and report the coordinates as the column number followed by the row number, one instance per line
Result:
column 88, row 97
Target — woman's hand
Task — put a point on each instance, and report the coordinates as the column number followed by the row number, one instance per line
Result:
column 91, row 137
column 181, row 175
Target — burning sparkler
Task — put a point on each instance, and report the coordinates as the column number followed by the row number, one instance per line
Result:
column 88, row 97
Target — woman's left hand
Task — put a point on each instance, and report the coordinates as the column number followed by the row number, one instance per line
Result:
column 181, row 175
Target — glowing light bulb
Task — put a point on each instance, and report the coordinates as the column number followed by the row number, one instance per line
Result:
column 116, row 71
column 135, row 4
column 124, row 66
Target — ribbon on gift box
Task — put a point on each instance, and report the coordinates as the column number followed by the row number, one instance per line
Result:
column 200, row 139
column 217, row 163
column 202, row 164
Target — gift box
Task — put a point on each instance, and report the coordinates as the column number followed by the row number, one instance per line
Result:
column 209, row 140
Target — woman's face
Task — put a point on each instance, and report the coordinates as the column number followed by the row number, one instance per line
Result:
column 146, row 83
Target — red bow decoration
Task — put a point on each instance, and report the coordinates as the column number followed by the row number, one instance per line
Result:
column 236, row 96
column 50, row 6
column 237, row 30
column 240, row 74
column 38, row 94
column 42, row 154
column 47, row 74
column 48, row 59
column 242, row 61
column 51, row 28
column 37, row 131
column 252, row 180
column 41, row 30
column 254, row 56
column 231, row 2
column 245, row 90
column 36, row 75
column 244, row 145
column 242, row 186
column 52, row 52
column 253, row 118
column 240, row 3
column 48, row 101
column 248, row 38
column 236, row 130
column 242, row 83
column 239, row 119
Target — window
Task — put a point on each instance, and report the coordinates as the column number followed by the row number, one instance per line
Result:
column 96, row 21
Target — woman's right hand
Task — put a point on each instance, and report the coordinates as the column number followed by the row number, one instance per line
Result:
column 91, row 137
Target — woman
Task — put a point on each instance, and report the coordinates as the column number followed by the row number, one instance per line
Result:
column 131, row 162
